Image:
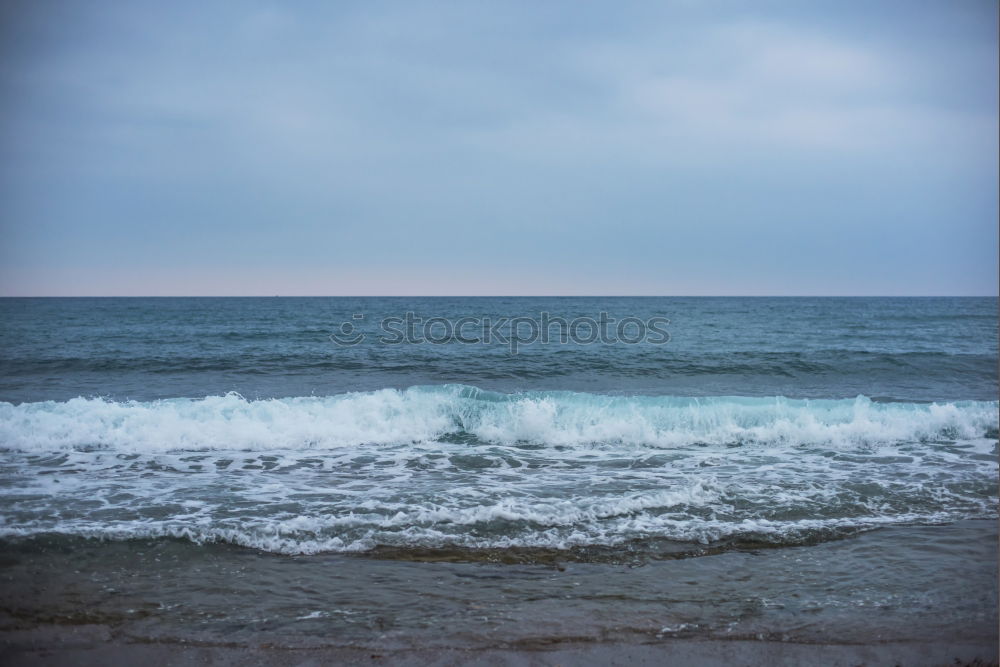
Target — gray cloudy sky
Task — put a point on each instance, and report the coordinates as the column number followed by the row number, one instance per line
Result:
column 498, row 148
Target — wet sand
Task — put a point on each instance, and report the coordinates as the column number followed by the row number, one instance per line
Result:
column 907, row 595
column 98, row 646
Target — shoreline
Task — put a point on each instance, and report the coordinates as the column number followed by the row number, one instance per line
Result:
column 908, row 595
column 101, row 645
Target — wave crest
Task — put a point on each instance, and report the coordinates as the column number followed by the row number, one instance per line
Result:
column 454, row 412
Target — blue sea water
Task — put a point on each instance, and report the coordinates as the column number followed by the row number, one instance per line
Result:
column 242, row 420
column 903, row 349
column 224, row 470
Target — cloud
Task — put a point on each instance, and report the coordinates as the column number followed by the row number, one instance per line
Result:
column 766, row 86
column 305, row 136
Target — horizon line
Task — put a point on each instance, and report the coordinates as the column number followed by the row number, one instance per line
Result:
column 500, row 296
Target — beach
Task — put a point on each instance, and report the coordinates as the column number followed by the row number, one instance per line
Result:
column 931, row 599
column 86, row 648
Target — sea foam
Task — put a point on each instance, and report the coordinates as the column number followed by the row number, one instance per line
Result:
column 456, row 466
column 426, row 414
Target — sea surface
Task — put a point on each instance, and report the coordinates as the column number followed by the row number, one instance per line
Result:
column 806, row 469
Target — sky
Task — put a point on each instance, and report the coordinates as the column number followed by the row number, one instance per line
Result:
column 498, row 148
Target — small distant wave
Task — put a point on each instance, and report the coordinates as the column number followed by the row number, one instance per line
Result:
column 532, row 362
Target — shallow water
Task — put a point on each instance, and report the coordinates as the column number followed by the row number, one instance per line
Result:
column 904, row 583
column 454, row 466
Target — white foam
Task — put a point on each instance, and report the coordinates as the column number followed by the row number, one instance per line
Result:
column 426, row 414
column 458, row 466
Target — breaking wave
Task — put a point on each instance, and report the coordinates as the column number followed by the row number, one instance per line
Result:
column 455, row 466
column 426, row 414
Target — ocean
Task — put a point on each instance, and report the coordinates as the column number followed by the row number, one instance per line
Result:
column 480, row 472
